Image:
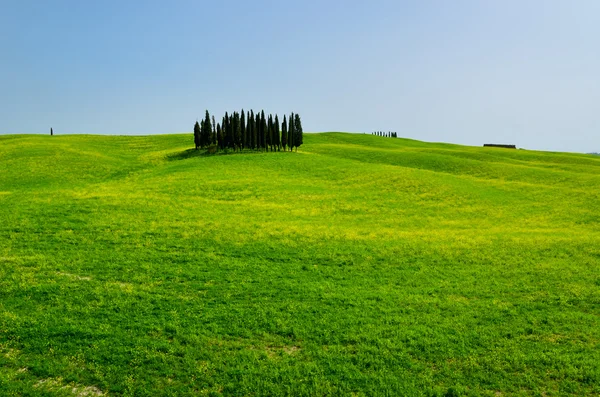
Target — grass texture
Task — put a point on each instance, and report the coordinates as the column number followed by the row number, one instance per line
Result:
column 359, row 266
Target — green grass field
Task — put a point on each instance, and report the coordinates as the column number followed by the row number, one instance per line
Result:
column 359, row 266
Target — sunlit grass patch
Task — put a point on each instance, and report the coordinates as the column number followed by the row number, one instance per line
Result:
column 359, row 265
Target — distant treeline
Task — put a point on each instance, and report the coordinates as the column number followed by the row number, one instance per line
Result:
column 240, row 131
column 386, row 134
column 500, row 145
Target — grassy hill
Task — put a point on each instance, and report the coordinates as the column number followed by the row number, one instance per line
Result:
column 358, row 266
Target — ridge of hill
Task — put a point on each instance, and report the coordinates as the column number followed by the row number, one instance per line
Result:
column 358, row 265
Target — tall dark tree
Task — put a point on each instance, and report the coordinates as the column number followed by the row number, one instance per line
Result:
column 270, row 132
column 197, row 135
column 251, row 130
column 291, row 132
column 260, row 132
column 263, row 130
column 276, row 134
column 237, row 131
column 51, row 131
column 206, row 131
column 220, row 140
column 243, row 130
column 284, row 133
column 228, row 132
column 224, row 130
column 214, row 131
column 298, row 133
column 257, row 127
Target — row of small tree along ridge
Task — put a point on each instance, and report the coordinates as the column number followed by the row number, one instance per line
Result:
column 386, row 134
column 240, row 131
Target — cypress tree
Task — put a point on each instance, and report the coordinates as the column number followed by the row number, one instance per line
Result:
column 251, row 133
column 291, row 132
column 232, row 128
column 263, row 130
column 257, row 127
column 243, row 130
column 237, row 131
column 284, row 133
column 270, row 132
column 276, row 132
column 228, row 132
column 202, row 133
column 219, row 137
column 207, row 132
column 223, row 133
column 298, row 133
column 197, row 135
column 224, row 130
column 214, row 131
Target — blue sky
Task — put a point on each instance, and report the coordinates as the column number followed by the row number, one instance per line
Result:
column 467, row 71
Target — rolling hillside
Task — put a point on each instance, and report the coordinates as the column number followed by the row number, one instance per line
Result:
column 360, row 265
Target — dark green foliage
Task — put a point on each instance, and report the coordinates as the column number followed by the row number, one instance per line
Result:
column 214, row 131
column 257, row 127
column 224, row 130
column 388, row 134
column 228, row 131
column 247, row 130
column 220, row 140
column 298, row 133
column 197, row 135
column 237, row 131
column 284, row 133
column 252, row 130
column 263, row 130
column 276, row 134
column 243, row 130
column 270, row 132
column 291, row 132
column 206, row 131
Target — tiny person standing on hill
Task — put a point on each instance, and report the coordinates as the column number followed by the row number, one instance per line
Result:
column 51, row 132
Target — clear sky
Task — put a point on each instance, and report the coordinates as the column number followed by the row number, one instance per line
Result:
column 522, row 72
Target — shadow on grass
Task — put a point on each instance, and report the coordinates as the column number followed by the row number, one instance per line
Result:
column 191, row 153
column 187, row 154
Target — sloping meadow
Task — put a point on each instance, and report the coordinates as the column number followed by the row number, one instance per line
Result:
column 359, row 265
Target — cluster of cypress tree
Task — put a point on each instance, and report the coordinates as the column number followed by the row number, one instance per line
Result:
column 386, row 134
column 240, row 131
